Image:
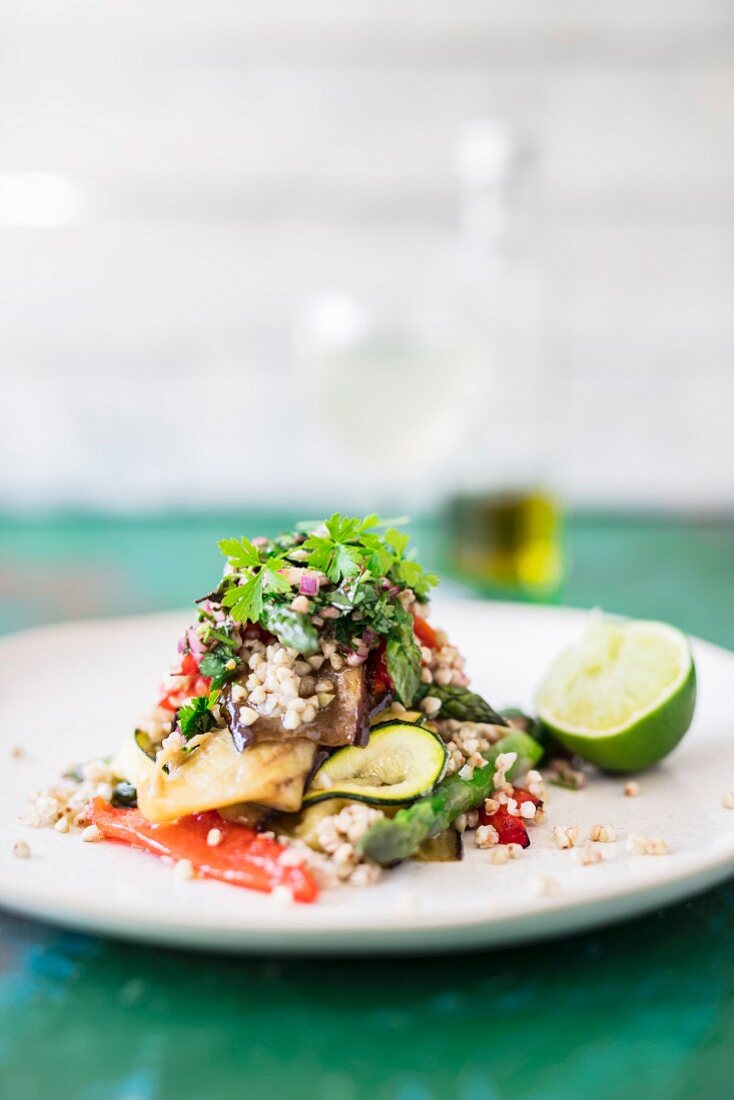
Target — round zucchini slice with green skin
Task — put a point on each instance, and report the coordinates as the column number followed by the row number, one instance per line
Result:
column 400, row 762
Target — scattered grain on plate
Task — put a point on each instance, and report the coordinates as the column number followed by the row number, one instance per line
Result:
column 466, row 772
column 17, row 752
column 567, row 837
column 632, row 789
column 528, row 810
column 586, row 855
column 727, row 800
column 214, row 837
column 21, row 850
column 636, row 844
column 562, row 773
column 641, row 845
column 282, row 896
column 366, row 874
column 605, row 834
column 91, row 834
column 544, row 886
column 501, row 854
column 184, row 869
column 487, row 836
column 62, row 825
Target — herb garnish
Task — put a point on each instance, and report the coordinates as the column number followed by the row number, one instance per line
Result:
column 403, row 658
column 365, row 568
column 290, row 628
column 195, row 717
column 220, row 664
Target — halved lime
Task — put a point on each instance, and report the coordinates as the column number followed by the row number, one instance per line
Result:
column 622, row 697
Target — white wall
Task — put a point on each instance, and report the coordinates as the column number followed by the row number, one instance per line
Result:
column 207, row 164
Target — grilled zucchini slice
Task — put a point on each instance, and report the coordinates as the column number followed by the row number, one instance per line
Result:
column 400, row 762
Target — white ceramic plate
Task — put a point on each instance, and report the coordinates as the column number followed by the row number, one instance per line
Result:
column 72, row 691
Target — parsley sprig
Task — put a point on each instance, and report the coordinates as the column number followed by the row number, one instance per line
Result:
column 348, row 547
column 196, row 716
column 252, row 572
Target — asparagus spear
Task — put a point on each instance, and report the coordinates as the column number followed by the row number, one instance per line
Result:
column 391, row 840
column 462, row 704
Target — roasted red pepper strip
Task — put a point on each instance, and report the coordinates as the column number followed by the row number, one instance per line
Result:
column 242, row 857
column 511, row 829
column 425, row 632
column 381, row 681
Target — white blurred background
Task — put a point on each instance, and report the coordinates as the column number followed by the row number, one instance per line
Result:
column 188, row 189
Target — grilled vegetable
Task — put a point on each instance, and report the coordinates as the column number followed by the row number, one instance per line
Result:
column 144, row 743
column 247, row 813
column 462, row 704
column 242, row 857
column 290, row 628
column 445, row 847
column 400, row 762
column 510, row 829
column 271, row 773
column 389, row 842
column 342, row 722
column 124, row 794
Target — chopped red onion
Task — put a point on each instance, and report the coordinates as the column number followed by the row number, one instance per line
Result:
column 196, row 645
column 309, row 585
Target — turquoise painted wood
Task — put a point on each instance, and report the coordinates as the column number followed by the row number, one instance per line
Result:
column 646, row 1007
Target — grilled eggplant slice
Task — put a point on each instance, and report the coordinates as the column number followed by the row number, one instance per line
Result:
column 341, row 723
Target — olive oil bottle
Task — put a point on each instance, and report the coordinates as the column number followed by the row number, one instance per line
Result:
column 505, row 525
column 508, row 544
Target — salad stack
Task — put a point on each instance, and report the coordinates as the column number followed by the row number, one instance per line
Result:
column 316, row 727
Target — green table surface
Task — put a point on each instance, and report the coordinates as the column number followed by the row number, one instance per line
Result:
column 648, row 1005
